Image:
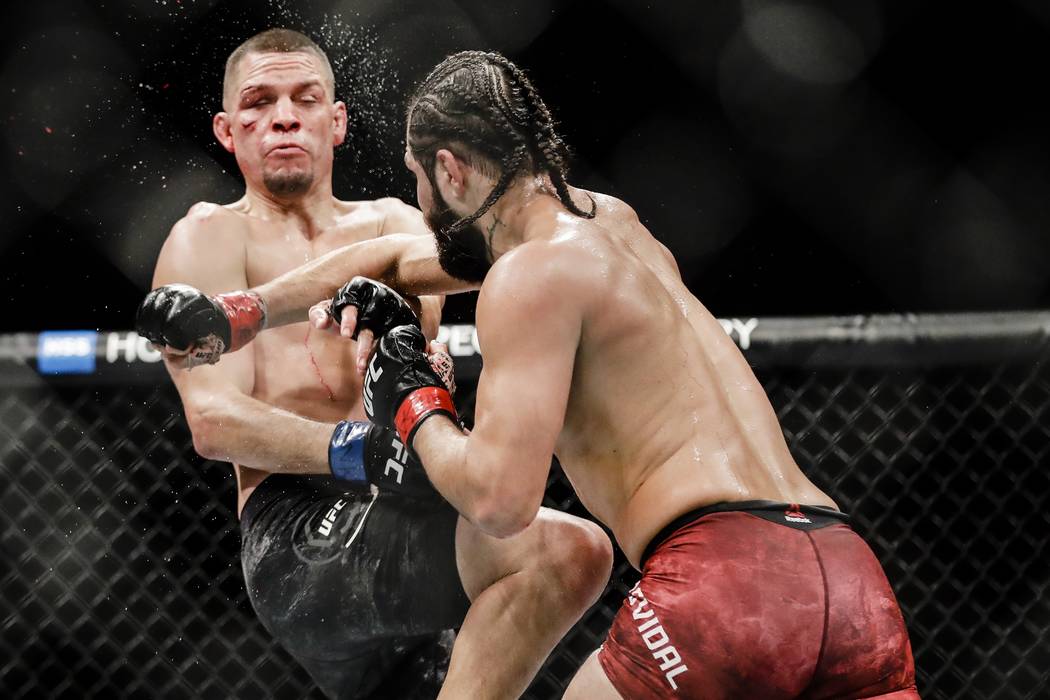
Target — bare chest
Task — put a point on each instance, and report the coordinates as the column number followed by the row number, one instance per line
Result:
column 274, row 249
column 308, row 372
column 298, row 368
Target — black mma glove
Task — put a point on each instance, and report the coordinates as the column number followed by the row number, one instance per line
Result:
column 182, row 316
column 379, row 308
column 366, row 453
column 401, row 388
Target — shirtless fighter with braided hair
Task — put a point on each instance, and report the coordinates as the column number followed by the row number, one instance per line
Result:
column 753, row 584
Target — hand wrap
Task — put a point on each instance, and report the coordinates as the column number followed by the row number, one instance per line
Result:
column 365, row 453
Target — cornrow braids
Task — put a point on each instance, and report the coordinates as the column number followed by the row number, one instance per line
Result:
column 483, row 107
column 553, row 151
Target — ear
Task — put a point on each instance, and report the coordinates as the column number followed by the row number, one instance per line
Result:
column 339, row 124
column 451, row 175
column 221, row 126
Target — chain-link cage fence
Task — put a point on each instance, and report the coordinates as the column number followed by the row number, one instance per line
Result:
column 121, row 574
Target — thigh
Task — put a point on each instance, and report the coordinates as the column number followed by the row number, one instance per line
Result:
column 416, row 583
column 406, row 668
column 343, row 570
column 360, row 590
column 590, row 682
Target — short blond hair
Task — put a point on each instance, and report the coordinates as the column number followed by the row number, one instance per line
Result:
column 278, row 41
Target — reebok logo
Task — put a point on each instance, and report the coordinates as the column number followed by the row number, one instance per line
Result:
column 794, row 514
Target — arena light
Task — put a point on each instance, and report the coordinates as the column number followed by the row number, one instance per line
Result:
column 805, row 42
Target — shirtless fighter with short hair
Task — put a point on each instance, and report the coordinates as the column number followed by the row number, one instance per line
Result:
column 356, row 576
column 594, row 348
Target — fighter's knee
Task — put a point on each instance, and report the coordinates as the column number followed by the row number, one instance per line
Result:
column 580, row 560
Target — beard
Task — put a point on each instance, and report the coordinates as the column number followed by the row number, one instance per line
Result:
column 286, row 184
column 464, row 253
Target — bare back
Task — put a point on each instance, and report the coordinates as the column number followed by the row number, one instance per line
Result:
column 664, row 414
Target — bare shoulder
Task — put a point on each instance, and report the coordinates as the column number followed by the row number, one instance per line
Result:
column 399, row 217
column 540, row 275
column 393, row 206
column 385, row 215
column 619, row 215
column 608, row 205
column 208, row 237
column 209, row 224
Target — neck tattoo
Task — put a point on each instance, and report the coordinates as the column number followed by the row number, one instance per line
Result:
column 492, row 232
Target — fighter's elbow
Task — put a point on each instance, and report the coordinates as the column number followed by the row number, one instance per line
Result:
column 206, row 428
column 504, row 515
column 204, row 442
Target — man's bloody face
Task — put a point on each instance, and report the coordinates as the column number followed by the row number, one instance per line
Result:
column 283, row 121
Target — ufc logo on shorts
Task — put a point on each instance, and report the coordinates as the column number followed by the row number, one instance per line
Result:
column 397, row 462
column 374, row 373
column 655, row 637
column 329, row 519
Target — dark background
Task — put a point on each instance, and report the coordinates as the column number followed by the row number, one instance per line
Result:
column 799, row 158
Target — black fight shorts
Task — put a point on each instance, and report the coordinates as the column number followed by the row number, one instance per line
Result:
column 362, row 590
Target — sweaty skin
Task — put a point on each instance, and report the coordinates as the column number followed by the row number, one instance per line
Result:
column 589, row 333
column 594, row 350
column 270, row 406
column 301, row 380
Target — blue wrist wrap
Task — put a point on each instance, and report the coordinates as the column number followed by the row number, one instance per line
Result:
column 346, row 451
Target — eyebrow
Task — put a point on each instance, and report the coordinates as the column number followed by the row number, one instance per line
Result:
column 305, row 85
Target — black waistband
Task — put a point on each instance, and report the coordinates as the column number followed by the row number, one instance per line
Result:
column 769, row 510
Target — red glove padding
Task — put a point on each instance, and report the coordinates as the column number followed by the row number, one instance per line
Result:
column 181, row 317
column 401, row 388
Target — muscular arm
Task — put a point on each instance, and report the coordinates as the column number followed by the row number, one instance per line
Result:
column 496, row 476
column 405, row 262
column 226, row 422
column 402, row 218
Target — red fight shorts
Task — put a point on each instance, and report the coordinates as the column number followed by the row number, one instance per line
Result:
column 760, row 600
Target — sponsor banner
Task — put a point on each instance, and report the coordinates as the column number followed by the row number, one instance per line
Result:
column 890, row 340
column 740, row 330
column 92, row 352
column 127, row 346
column 66, row 352
column 462, row 340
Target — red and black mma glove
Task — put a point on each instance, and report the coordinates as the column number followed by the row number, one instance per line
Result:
column 401, row 388
column 366, row 454
column 181, row 316
column 379, row 308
